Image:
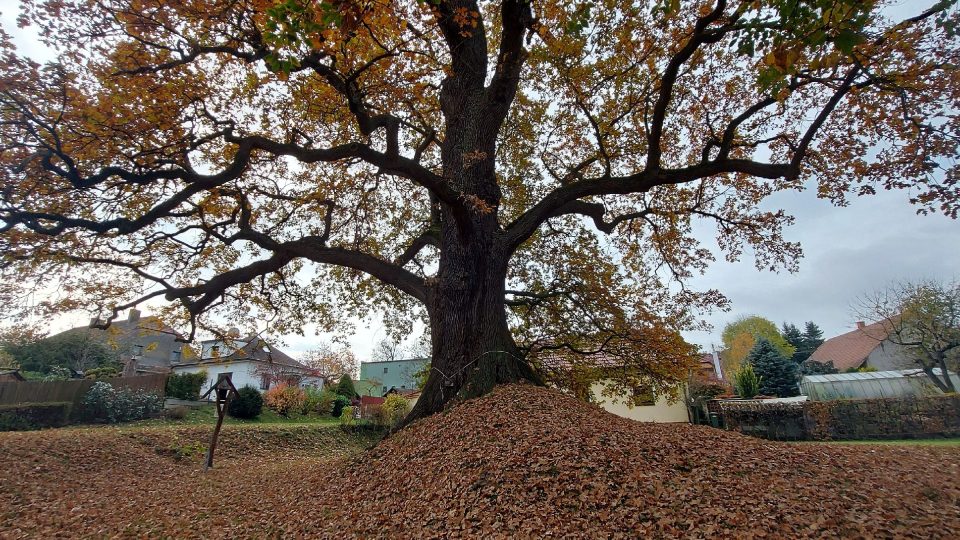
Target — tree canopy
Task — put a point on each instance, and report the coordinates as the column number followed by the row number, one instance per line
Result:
column 924, row 319
column 742, row 335
column 805, row 342
column 523, row 175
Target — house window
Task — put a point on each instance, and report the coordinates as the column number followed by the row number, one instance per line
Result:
column 174, row 356
column 138, row 350
column 215, row 351
column 643, row 396
column 265, row 381
column 385, row 369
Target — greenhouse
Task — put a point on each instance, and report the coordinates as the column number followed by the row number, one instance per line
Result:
column 873, row 384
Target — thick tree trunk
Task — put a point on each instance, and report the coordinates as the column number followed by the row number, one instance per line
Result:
column 472, row 347
column 471, row 342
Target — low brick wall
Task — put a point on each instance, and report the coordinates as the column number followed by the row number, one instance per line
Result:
column 888, row 418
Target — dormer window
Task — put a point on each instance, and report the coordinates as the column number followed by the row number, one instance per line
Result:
column 215, row 351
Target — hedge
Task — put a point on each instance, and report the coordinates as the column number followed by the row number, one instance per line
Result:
column 847, row 419
column 34, row 415
column 186, row 385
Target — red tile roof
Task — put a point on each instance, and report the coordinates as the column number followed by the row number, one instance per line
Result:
column 851, row 350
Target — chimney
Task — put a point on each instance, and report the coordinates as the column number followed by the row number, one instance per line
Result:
column 133, row 315
column 860, row 325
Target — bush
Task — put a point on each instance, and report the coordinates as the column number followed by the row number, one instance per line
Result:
column 393, row 410
column 285, row 399
column 318, row 402
column 338, row 405
column 247, row 404
column 13, row 422
column 346, row 418
column 345, row 388
column 176, row 413
column 104, row 403
column 812, row 367
column 24, row 416
column 104, row 372
column 186, row 385
column 746, row 382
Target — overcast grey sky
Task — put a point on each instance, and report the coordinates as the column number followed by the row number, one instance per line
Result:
column 848, row 252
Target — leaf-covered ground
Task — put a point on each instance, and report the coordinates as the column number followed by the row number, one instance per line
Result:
column 520, row 463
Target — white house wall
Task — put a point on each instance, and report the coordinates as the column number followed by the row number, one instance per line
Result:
column 244, row 373
column 662, row 411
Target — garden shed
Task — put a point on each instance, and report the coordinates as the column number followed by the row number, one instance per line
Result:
column 871, row 384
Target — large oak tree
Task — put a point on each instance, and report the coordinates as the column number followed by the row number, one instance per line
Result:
column 524, row 175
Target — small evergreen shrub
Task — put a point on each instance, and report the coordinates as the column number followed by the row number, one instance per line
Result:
column 104, row 403
column 338, row 405
column 746, row 381
column 319, row 402
column 346, row 417
column 247, row 404
column 285, row 399
column 186, row 385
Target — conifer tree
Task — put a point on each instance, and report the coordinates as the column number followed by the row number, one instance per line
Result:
column 794, row 337
column 811, row 339
column 778, row 374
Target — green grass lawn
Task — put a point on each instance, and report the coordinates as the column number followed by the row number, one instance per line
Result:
column 894, row 442
column 208, row 415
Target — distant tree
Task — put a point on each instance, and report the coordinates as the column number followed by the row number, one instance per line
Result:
column 345, row 387
column 329, row 363
column 812, row 339
column 386, row 351
column 740, row 336
column 794, row 337
column 778, row 374
column 77, row 350
column 924, row 319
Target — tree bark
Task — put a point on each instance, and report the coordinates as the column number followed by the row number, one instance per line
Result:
column 472, row 347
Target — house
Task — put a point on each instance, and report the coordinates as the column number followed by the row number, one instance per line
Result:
column 643, row 406
column 381, row 377
column 867, row 346
column 144, row 344
column 251, row 361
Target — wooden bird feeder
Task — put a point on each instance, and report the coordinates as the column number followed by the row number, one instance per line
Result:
column 225, row 391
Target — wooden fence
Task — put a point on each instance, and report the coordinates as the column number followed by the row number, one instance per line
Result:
column 12, row 393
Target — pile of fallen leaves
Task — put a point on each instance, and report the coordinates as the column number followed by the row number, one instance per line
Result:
column 521, row 462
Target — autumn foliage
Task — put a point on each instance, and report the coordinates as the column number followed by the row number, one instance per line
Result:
column 521, row 462
column 521, row 175
column 285, row 399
